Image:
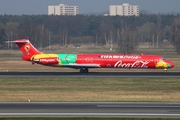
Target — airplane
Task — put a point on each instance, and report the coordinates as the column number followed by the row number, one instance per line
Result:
column 85, row 61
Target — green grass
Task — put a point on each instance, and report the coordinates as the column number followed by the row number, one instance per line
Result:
column 90, row 89
column 166, row 52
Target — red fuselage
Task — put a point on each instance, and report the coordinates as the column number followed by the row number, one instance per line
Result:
column 122, row 61
column 85, row 61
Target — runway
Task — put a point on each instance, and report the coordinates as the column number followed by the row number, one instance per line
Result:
column 90, row 74
column 91, row 109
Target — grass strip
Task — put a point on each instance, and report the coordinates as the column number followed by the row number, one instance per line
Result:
column 90, row 89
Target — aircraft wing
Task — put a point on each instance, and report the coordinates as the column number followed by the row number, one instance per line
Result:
column 75, row 65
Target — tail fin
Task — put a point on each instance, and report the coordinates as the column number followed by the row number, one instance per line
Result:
column 26, row 48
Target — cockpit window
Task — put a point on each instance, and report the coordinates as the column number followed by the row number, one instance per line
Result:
column 162, row 59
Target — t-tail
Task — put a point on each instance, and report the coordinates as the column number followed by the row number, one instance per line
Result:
column 26, row 48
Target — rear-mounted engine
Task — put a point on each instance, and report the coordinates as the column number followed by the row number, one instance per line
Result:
column 48, row 61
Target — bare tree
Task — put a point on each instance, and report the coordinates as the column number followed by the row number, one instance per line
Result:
column 37, row 34
column 176, row 34
column 106, row 28
column 127, row 40
column 11, row 32
column 158, row 30
column 153, row 35
column 144, row 32
column 63, row 37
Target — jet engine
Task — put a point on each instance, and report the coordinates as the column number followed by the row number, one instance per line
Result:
column 47, row 61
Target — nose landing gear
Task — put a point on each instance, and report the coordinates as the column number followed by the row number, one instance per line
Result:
column 165, row 70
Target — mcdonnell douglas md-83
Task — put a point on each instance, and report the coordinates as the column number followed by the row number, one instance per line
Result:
column 86, row 61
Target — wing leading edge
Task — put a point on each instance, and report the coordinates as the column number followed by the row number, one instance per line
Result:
column 74, row 65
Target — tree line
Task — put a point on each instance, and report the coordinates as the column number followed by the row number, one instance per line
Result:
column 126, row 32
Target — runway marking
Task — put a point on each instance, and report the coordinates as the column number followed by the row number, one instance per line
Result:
column 85, row 114
column 124, row 106
column 93, row 74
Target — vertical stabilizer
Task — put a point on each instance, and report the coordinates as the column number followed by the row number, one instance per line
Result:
column 26, row 48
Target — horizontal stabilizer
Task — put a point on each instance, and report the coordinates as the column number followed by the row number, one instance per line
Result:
column 18, row 41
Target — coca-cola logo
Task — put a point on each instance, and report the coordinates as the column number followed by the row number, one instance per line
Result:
column 136, row 64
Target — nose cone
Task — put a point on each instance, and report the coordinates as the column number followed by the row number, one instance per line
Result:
column 170, row 64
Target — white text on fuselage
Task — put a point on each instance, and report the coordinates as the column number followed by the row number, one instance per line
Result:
column 136, row 64
column 120, row 57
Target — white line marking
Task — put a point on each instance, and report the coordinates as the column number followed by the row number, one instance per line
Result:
column 86, row 114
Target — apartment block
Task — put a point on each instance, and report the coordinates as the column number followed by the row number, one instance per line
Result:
column 63, row 9
column 124, row 10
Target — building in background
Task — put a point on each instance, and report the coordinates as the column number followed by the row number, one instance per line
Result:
column 124, row 10
column 63, row 9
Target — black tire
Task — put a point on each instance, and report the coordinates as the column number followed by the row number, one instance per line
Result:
column 84, row 70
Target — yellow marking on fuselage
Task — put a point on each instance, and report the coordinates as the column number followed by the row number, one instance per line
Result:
column 44, row 56
column 161, row 64
column 38, row 56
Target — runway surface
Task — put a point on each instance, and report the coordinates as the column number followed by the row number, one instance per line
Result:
column 91, row 109
column 90, row 74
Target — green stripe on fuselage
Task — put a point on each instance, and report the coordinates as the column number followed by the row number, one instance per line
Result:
column 67, row 58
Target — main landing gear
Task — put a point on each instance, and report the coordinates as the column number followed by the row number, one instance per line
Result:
column 84, row 70
column 165, row 70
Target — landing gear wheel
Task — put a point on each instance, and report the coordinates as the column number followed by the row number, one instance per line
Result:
column 165, row 71
column 84, row 70
column 81, row 71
